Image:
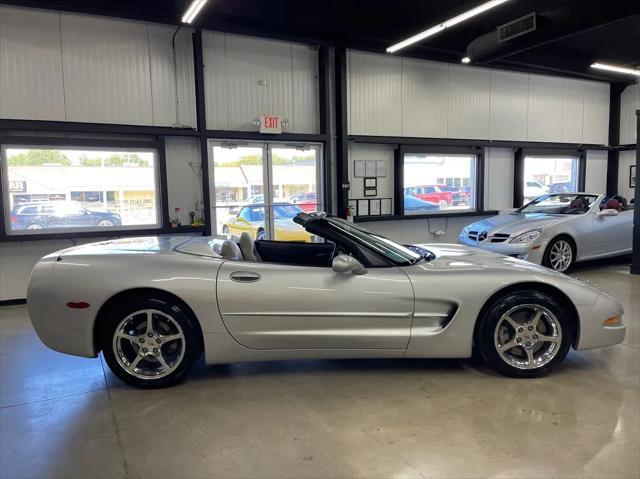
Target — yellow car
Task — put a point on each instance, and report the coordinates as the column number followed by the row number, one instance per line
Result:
column 251, row 219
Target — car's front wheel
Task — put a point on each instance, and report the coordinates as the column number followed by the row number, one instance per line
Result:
column 525, row 334
column 560, row 254
column 105, row 223
column 150, row 342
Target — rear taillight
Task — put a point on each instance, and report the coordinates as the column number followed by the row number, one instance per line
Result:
column 14, row 219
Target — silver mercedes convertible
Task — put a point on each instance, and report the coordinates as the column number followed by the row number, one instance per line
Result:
column 557, row 230
column 153, row 305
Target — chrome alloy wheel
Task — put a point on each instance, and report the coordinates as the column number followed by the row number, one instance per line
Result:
column 528, row 336
column 561, row 255
column 149, row 344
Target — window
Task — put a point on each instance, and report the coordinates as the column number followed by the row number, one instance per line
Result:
column 436, row 183
column 49, row 189
column 549, row 174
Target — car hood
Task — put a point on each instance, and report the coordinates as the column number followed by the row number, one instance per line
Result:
column 517, row 223
column 454, row 256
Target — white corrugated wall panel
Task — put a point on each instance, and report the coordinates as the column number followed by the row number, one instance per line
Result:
column 163, row 76
column 498, row 179
column 595, row 128
column 258, row 80
column 304, row 79
column 545, row 108
column 627, row 158
column 469, row 102
column 107, row 75
column 596, row 174
column 375, row 94
column 509, row 94
column 629, row 103
column 572, row 111
column 425, row 98
column 30, row 65
column 184, row 180
column 214, row 56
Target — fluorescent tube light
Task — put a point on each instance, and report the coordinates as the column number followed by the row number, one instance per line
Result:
column 617, row 69
column 466, row 60
column 446, row 24
column 193, row 10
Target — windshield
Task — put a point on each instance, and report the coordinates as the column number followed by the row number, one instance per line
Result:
column 560, row 204
column 285, row 211
column 394, row 252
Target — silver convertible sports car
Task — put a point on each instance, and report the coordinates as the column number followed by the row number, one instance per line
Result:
column 152, row 305
column 557, row 230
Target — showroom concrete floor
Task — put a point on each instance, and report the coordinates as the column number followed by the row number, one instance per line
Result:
column 68, row 417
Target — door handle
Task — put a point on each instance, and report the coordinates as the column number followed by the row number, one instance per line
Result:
column 244, row 276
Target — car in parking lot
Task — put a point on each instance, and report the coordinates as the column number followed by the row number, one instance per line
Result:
column 308, row 202
column 557, row 230
column 152, row 305
column 59, row 214
column 432, row 193
column 252, row 219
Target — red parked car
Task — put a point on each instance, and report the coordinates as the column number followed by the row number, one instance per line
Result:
column 307, row 202
column 432, row 193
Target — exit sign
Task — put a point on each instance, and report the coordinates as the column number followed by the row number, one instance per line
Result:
column 270, row 124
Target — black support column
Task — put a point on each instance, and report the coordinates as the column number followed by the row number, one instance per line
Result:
column 614, row 137
column 325, row 122
column 201, row 118
column 635, row 260
column 342, row 154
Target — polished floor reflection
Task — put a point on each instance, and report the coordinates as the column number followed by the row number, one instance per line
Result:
column 67, row 417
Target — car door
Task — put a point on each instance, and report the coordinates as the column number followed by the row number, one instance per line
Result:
column 277, row 306
column 612, row 234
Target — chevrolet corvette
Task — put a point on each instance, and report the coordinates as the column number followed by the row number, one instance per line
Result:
column 153, row 305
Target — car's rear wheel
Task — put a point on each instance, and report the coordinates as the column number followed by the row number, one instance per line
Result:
column 261, row 235
column 525, row 334
column 560, row 254
column 104, row 223
column 150, row 342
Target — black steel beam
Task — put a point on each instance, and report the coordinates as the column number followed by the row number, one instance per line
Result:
column 613, row 155
column 635, row 255
column 201, row 119
column 518, row 178
column 102, row 128
column 257, row 136
column 324, row 104
column 472, row 142
column 342, row 146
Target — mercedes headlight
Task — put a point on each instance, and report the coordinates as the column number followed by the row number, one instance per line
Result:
column 528, row 237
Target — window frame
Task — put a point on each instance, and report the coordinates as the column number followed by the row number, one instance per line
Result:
column 402, row 149
column 154, row 144
column 518, row 168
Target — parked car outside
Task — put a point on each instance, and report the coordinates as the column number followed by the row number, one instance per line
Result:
column 414, row 205
column 252, row 220
column 60, row 214
column 308, row 202
column 565, row 187
column 533, row 189
column 459, row 197
column 431, row 193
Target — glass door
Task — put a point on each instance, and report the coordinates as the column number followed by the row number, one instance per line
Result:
column 260, row 187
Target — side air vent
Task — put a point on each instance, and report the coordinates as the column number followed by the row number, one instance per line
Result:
column 517, row 27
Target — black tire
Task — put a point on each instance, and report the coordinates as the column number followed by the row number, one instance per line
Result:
column 554, row 243
column 192, row 340
column 225, row 230
column 261, row 235
column 485, row 338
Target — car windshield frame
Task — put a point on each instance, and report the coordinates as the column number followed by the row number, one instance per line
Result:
column 543, row 210
column 392, row 252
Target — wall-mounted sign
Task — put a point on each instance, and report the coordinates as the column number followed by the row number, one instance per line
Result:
column 18, row 186
column 270, row 124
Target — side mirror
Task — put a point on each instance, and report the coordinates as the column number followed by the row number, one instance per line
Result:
column 608, row 212
column 345, row 264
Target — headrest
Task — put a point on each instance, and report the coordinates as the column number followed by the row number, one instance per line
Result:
column 612, row 204
column 248, row 247
column 230, row 250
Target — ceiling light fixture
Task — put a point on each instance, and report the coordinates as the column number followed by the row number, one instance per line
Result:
column 193, row 10
column 446, row 24
column 466, row 60
column 617, row 69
